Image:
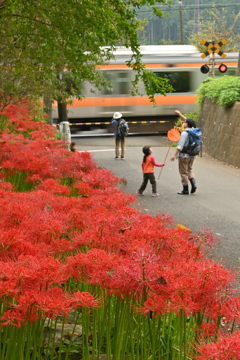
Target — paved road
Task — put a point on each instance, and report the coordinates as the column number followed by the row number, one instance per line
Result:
column 215, row 205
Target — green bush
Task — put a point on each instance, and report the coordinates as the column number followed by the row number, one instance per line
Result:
column 225, row 91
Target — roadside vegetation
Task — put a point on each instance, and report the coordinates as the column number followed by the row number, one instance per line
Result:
column 225, row 91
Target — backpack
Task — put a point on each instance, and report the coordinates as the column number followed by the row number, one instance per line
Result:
column 122, row 128
column 194, row 146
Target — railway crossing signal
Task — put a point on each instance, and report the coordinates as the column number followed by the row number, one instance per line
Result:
column 222, row 68
column 205, row 68
column 213, row 48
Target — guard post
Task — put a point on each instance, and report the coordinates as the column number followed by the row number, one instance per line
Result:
column 64, row 132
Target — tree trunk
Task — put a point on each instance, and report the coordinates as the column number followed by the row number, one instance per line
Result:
column 47, row 108
column 62, row 112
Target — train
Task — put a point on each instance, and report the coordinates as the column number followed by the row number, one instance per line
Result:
column 180, row 64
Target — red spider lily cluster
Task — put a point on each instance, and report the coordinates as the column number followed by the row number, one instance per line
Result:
column 63, row 219
column 225, row 348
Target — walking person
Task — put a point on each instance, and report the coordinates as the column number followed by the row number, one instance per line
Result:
column 120, row 132
column 185, row 161
column 148, row 164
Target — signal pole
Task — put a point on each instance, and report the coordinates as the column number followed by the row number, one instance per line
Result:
column 196, row 26
column 212, row 59
column 181, row 23
column 238, row 68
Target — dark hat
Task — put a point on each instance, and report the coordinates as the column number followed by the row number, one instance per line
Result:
column 190, row 122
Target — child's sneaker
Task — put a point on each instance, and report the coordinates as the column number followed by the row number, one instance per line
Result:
column 155, row 194
column 139, row 193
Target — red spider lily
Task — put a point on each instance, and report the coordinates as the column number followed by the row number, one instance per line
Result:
column 204, row 239
column 197, row 286
column 17, row 317
column 120, row 275
column 5, row 186
column 231, row 309
column 52, row 186
column 84, row 189
column 102, row 180
column 36, row 178
column 225, row 349
column 51, row 302
column 33, row 272
column 20, row 117
column 8, row 285
column 207, row 329
column 32, row 282
column 95, row 266
column 84, row 299
column 156, row 304
column 44, row 158
column 186, row 288
column 33, row 305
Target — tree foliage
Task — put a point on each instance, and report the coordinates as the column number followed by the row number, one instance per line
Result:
column 41, row 39
column 215, row 31
column 212, row 19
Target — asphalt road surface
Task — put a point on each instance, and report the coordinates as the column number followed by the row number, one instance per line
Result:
column 215, row 205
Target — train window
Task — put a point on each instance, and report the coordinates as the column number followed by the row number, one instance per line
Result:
column 180, row 80
column 109, row 88
column 123, row 82
column 118, row 83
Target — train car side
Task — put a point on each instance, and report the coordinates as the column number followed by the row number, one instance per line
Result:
column 181, row 66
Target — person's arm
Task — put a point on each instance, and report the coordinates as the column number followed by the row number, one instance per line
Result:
column 180, row 146
column 180, row 114
column 153, row 161
column 175, row 155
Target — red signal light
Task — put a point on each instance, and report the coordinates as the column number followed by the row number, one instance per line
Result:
column 204, row 69
column 222, row 68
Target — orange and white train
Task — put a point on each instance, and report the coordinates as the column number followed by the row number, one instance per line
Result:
column 180, row 64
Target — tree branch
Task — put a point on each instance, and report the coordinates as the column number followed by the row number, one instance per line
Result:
column 2, row 4
column 31, row 19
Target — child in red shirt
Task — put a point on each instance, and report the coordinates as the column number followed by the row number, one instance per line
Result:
column 148, row 171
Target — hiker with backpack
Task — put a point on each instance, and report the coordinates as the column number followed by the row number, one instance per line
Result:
column 189, row 145
column 120, row 132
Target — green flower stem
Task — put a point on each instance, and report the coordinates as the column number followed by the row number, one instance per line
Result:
column 18, row 180
column 108, row 329
column 132, row 339
column 85, row 333
column 121, row 329
column 94, row 333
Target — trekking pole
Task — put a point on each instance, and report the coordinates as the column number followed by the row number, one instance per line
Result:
column 173, row 135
